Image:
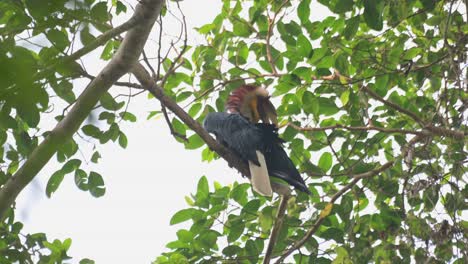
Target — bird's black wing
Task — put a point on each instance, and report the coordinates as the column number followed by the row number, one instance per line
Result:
column 237, row 133
column 278, row 163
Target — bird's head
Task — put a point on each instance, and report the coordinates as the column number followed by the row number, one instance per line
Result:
column 252, row 102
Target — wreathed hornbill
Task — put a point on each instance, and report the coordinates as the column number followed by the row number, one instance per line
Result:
column 256, row 143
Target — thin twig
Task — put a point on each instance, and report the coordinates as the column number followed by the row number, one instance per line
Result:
column 160, row 22
column 145, row 58
column 361, row 128
column 169, row 124
column 124, row 84
column 392, row 105
column 271, row 24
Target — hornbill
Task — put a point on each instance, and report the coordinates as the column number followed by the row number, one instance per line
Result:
column 256, row 143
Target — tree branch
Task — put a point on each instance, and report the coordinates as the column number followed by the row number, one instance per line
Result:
column 362, row 128
column 439, row 131
column 127, row 55
column 232, row 159
column 392, row 105
column 316, row 225
column 148, row 83
column 283, row 204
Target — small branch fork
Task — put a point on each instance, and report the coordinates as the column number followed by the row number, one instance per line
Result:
column 171, row 128
column 326, row 211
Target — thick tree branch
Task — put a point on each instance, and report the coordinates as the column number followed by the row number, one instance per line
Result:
column 316, row 225
column 445, row 132
column 232, row 159
column 127, row 55
column 148, row 83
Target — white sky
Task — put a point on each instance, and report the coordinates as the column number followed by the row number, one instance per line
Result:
column 145, row 183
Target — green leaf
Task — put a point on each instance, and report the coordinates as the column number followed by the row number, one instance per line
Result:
column 327, row 106
column 373, row 11
column 58, row 38
column 310, row 103
column 345, row 97
column 412, row 53
column 343, row 6
column 381, row 84
column 91, row 131
column 99, row 12
column 54, row 182
column 108, row 102
column 377, row 223
column 352, row 26
column 123, row 142
column 87, row 261
column 81, row 179
column 95, row 157
column 251, row 207
column 341, row 63
column 241, row 29
column 185, row 235
column 333, row 233
column 195, row 109
column 325, row 161
column 304, row 48
column 64, row 90
column 208, row 239
column 182, row 216
column 194, row 142
column 71, row 165
column 120, row 8
column 303, row 11
column 235, row 231
column 326, row 62
column 231, row 250
column 109, row 50
column 203, row 188
column 127, row 116
column 266, row 219
column 96, row 184
column 239, row 193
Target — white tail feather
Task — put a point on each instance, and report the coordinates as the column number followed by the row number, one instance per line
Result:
column 259, row 176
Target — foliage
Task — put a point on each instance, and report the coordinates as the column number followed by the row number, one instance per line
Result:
column 371, row 83
column 372, row 102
